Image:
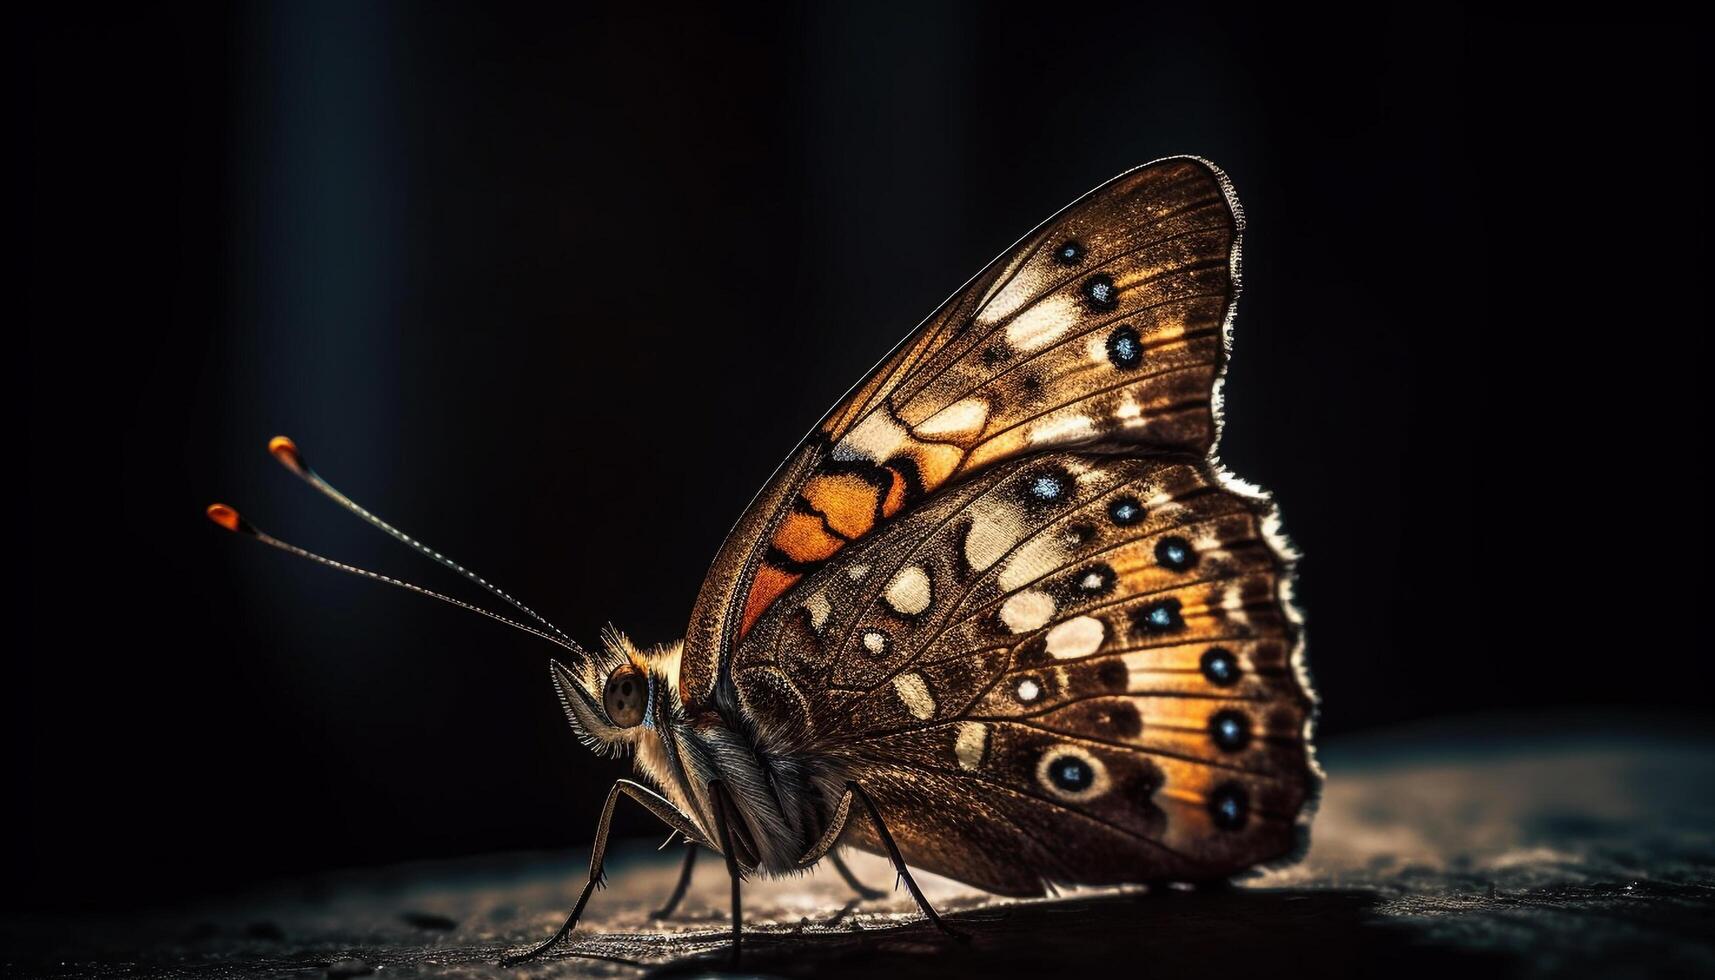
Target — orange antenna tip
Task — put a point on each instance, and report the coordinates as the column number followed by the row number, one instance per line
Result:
column 225, row 516
column 286, row 451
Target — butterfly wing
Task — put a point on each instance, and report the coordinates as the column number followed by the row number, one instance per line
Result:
column 1104, row 326
column 1073, row 668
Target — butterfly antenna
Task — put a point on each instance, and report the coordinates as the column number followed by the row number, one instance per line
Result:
column 287, row 452
column 231, row 520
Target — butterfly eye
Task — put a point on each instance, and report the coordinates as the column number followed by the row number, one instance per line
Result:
column 627, row 690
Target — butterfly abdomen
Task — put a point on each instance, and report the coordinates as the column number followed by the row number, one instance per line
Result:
column 783, row 793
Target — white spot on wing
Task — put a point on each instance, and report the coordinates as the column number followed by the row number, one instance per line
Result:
column 916, row 696
column 874, row 439
column 1028, row 690
column 1022, row 289
column 972, row 744
column 1027, row 611
column 990, row 536
column 818, row 608
column 1097, row 347
column 875, row 643
column 1076, row 637
column 909, row 593
column 1063, row 429
column 962, row 418
column 1029, row 563
column 1043, row 323
column 1234, row 604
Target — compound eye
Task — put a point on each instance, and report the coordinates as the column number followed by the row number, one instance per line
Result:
column 627, row 691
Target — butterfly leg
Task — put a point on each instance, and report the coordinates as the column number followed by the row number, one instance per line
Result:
column 652, row 802
column 723, row 831
column 837, row 826
column 683, row 885
column 863, row 890
column 899, row 861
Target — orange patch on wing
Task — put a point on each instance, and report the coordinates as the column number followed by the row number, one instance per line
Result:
column 847, row 500
column 895, row 494
column 768, row 585
column 1186, row 782
column 803, row 538
column 1189, row 714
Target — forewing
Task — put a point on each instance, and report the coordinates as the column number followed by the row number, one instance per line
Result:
column 1105, row 325
column 1073, row 668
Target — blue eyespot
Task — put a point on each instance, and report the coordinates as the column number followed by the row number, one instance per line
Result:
column 1220, row 667
column 1100, row 293
column 1231, row 730
column 1175, row 553
column 1125, row 348
column 1126, row 511
column 1071, row 773
column 1070, row 252
column 1047, row 486
column 1229, row 806
column 1159, row 617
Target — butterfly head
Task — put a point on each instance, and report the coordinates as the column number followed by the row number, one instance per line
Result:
column 615, row 698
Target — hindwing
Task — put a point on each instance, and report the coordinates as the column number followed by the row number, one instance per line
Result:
column 1073, row 667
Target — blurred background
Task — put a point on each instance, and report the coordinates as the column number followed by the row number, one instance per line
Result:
column 556, row 289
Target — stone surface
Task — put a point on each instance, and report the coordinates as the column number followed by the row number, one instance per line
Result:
column 1434, row 853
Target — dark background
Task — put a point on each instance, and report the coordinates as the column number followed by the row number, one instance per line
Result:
column 557, row 290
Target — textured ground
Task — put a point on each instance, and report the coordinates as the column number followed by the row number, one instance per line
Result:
column 1477, row 854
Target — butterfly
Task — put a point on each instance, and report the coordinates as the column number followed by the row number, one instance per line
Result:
column 1001, row 615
